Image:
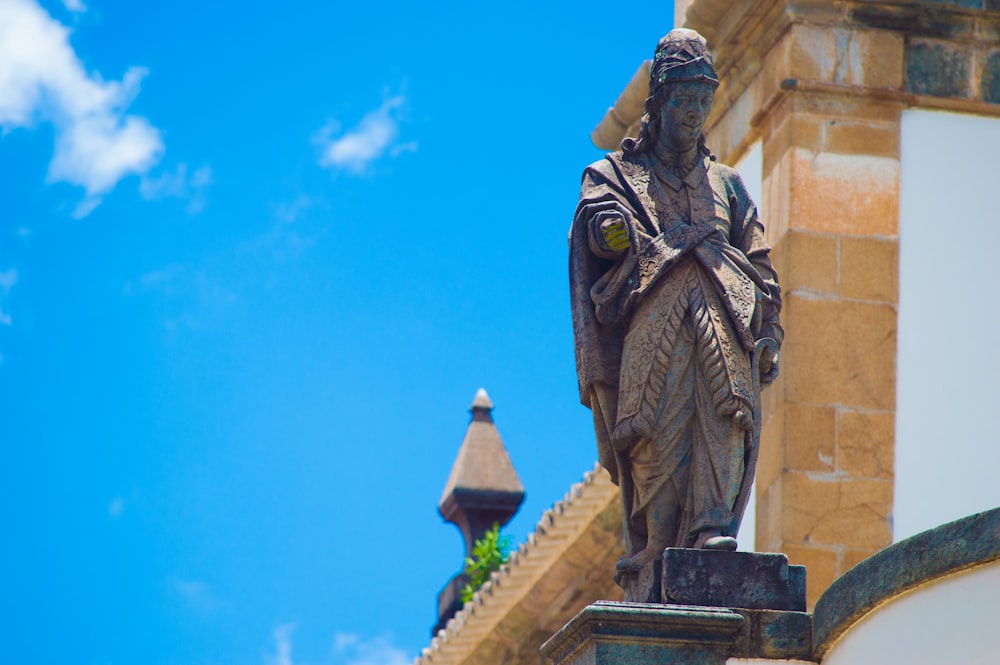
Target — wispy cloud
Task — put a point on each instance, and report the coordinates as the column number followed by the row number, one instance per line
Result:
column 192, row 297
column 196, row 595
column 75, row 6
column 282, row 646
column 97, row 142
column 297, row 226
column 165, row 281
column 179, row 184
column 7, row 281
column 357, row 148
column 348, row 649
column 216, row 289
column 352, row 650
column 116, row 508
column 288, row 212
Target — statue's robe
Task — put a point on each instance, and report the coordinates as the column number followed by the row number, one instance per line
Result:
column 665, row 333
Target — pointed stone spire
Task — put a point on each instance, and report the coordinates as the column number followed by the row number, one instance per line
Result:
column 483, row 487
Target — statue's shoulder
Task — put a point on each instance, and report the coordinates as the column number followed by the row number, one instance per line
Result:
column 728, row 176
column 632, row 167
column 606, row 171
column 724, row 171
column 622, row 172
column 603, row 166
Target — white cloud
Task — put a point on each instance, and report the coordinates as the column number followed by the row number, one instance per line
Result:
column 179, row 185
column 348, row 649
column 7, row 281
column 352, row 650
column 409, row 146
column 342, row 641
column 195, row 594
column 290, row 211
column 116, row 507
column 359, row 146
column 282, row 645
column 75, row 6
column 164, row 280
column 192, row 297
column 97, row 143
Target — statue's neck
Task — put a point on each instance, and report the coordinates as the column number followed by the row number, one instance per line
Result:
column 678, row 162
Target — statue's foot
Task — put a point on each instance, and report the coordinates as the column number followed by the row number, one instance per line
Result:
column 638, row 560
column 720, row 543
column 624, row 564
column 712, row 539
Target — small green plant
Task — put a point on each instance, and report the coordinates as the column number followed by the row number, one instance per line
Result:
column 488, row 554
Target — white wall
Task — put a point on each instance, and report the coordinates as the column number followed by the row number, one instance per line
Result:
column 953, row 620
column 948, row 380
column 751, row 169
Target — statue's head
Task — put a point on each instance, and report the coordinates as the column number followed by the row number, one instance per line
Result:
column 682, row 60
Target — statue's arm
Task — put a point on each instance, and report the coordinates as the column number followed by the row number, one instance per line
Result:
column 749, row 239
column 751, row 242
column 756, row 249
column 610, row 223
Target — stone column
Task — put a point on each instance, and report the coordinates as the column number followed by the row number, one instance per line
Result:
column 822, row 84
column 831, row 203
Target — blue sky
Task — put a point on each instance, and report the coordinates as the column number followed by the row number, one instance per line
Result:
column 255, row 263
column 255, row 260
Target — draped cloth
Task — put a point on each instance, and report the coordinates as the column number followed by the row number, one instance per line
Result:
column 664, row 336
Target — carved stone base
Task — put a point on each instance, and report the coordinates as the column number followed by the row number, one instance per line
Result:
column 716, row 578
column 748, row 580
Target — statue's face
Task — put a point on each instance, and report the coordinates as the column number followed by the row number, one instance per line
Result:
column 683, row 115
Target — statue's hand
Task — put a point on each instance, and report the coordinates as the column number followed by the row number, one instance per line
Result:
column 610, row 229
column 614, row 233
column 768, row 366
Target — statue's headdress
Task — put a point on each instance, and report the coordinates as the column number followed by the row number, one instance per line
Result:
column 682, row 55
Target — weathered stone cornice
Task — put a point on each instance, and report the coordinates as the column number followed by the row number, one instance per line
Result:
column 921, row 559
column 836, row 47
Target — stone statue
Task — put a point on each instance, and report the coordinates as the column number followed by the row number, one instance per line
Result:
column 675, row 316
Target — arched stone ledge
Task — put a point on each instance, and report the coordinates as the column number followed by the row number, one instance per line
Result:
column 936, row 553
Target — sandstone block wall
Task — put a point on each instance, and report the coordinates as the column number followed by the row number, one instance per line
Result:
column 822, row 85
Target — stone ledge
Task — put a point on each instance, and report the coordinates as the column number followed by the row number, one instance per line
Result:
column 644, row 632
column 610, row 632
column 944, row 550
column 774, row 634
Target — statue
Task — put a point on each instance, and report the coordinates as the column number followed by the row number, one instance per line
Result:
column 675, row 316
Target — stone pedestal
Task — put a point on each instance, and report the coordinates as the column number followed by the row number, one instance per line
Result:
column 702, row 607
column 607, row 633
column 732, row 579
column 718, row 579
